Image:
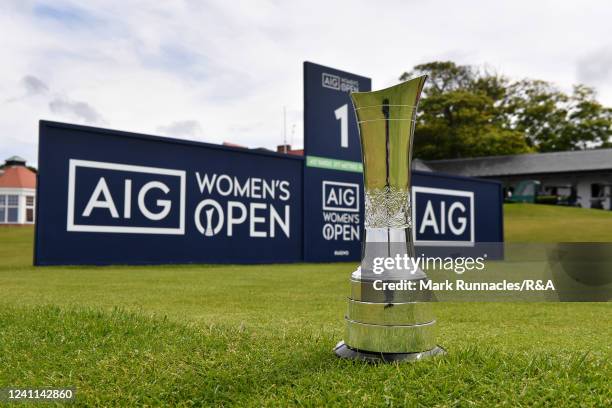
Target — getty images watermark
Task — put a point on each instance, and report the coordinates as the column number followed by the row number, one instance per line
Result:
column 31, row 395
column 399, row 265
column 413, row 264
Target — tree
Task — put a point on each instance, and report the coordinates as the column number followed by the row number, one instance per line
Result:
column 461, row 115
column 589, row 121
column 444, row 76
column 469, row 112
column 535, row 109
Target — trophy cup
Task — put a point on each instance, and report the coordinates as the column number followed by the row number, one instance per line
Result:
column 385, row 321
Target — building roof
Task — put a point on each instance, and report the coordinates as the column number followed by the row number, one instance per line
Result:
column 16, row 160
column 230, row 144
column 17, row 177
column 418, row 164
column 523, row 164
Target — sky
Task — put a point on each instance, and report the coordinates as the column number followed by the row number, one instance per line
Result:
column 219, row 71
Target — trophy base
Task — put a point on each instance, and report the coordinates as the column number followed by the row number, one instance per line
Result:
column 344, row 351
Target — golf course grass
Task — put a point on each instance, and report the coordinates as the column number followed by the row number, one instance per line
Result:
column 550, row 223
column 207, row 335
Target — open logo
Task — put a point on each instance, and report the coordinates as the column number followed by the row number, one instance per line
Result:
column 122, row 198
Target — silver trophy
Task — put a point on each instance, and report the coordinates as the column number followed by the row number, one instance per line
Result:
column 389, row 317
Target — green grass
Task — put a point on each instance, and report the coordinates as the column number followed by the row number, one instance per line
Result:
column 262, row 335
column 549, row 223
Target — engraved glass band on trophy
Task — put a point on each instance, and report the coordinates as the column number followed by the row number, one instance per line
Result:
column 385, row 323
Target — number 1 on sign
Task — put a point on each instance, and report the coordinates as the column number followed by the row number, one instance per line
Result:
column 342, row 116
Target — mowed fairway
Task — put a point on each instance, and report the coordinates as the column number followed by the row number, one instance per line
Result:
column 263, row 335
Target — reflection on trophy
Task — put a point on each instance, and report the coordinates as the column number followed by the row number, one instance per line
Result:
column 386, row 321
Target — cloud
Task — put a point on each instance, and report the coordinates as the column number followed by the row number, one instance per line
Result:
column 58, row 104
column 150, row 67
column 66, row 15
column 80, row 110
column 182, row 128
column 33, row 85
column 596, row 67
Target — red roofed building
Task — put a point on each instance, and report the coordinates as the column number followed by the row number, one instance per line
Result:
column 17, row 192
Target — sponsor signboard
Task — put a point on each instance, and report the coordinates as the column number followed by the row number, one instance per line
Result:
column 333, row 186
column 448, row 212
column 109, row 197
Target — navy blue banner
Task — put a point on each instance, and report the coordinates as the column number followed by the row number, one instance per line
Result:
column 109, row 197
column 451, row 214
column 333, row 185
column 330, row 126
column 333, row 215
column 453, row 211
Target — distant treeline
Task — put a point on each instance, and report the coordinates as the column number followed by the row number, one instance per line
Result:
column 468, row 111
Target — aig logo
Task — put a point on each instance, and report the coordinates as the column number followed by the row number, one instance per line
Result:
column 122, row 198
column 442, row 216
column 339, row 196
column 339, row 84
column 331, row 81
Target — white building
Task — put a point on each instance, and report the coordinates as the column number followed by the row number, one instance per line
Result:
column 584, row 174
column 17, row 192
